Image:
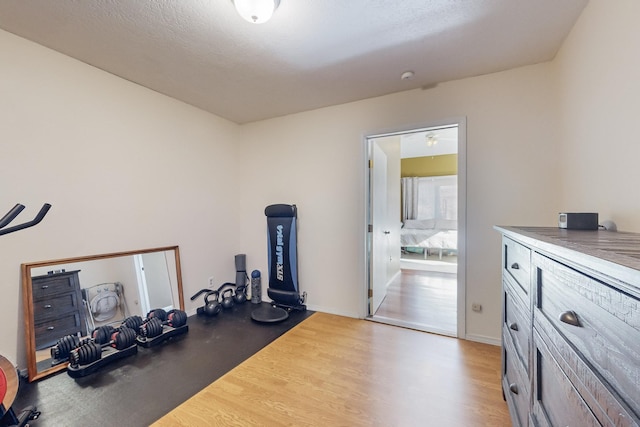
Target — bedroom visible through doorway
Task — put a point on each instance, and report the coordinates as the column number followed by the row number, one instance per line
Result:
column 414, row 248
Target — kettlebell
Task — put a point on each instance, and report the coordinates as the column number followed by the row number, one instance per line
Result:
column 227, row 298
column 211, row 308
column 240, row 295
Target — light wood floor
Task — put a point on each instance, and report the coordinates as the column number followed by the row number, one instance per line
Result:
column 337, row 371
column 421, row 300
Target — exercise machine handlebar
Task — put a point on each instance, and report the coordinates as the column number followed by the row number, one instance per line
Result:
column 13, row 213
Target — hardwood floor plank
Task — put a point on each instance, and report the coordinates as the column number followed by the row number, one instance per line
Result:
column 337, row 371
column 425, row 299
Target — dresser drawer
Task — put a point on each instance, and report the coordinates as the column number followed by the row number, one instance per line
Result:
column 555, row 401
column 46, row 286
column 55, row 306
column 517, row 323
column 48, row 332
column 517, row 263
column 515, row 384
column 600, row 324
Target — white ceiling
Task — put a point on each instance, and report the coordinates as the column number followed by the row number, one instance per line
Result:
column 311, row 54
column 416, row 144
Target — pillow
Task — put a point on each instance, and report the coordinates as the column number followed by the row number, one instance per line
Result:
column 420, row 224
column 447, row 224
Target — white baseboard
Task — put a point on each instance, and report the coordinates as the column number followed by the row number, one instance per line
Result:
column 484, row 339
column 411, row 325
column 333, row 311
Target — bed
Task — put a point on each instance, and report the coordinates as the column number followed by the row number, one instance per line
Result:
column 430, row 234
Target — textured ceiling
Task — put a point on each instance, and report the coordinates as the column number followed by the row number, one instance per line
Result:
column 418, row 144
column 311, row 54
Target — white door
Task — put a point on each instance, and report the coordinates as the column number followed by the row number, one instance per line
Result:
column 153, row 281
column 379, row 235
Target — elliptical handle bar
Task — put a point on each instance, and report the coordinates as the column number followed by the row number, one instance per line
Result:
column 12, row 214
column 200, row 292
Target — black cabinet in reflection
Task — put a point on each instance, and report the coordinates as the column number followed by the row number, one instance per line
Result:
column 57, row 307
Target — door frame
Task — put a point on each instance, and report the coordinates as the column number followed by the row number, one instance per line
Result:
column 461, row 122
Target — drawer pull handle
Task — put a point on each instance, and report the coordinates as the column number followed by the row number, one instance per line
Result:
column 513, row 388
column 515, row 266
column 45, row 286
column 513, row 326
column 47, row 306
column 570, row 318
column 50, row 328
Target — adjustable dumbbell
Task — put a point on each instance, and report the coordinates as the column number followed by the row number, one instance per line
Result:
column 64, row 345
column 152, row 326
column 60, row 351
column 160, row 313
column 133, row 322
column 156, row 319
column 105, row 336
column 174, row 318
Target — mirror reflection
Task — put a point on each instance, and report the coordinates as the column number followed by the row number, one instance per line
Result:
column 76, row 295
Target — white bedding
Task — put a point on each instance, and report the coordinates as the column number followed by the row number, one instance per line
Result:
column 429, row 234
column 416, row 237
column 431, row 239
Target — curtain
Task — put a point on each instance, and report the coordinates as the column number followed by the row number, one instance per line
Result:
column 409, row 188
column 434, row 197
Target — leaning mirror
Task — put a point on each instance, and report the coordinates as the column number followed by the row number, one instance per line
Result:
column 73, row 296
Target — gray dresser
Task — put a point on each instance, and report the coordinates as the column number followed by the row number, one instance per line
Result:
column 57, row 307
column 571, row 326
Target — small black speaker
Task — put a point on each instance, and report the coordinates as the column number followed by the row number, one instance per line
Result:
column 578, row 221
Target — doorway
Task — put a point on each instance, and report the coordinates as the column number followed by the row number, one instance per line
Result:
column 416, row 222
column 154, row 283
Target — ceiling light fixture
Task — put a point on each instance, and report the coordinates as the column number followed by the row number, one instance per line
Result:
column 431, row 139
column 256, row 11
column 407, row 75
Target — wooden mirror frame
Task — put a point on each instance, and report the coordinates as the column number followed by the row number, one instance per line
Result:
column 27, row 298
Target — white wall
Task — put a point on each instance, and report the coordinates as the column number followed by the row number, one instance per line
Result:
column 124, row 168
column 598, row 69
column 316, row 160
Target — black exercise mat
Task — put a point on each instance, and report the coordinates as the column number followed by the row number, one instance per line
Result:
column 138, row 390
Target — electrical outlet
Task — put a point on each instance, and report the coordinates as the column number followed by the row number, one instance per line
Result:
column 476, row 307
column 211, row 282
